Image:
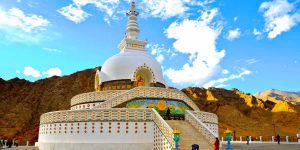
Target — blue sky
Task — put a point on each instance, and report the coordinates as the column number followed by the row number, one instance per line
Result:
column 249, row 45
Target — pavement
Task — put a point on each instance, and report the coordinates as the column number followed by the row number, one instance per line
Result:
column 21, row 148
column 263, row 146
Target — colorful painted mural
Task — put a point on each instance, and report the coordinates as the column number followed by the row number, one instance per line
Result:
column 176, row 107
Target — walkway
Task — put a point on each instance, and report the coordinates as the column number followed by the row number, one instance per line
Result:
column 189, row 135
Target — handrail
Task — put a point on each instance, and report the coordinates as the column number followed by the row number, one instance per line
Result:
column 144, row 92
column 196, row 122
column 94, row 96
column 164, row 127
column 84, row 115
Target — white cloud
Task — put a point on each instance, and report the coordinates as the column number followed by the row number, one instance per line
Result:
column 29, row 71
column 52, row 72
column 251, row 61
column 235, row 18
column 197, row 38
column 233, row 34
column 256, row 32
column 164, row 8
column 159, row 51
column 16, row 18
column 52, row 50
column 221, row 81
column 169, row 8
column 280, row 16
column 221, row 85
column 16, row 26
column 75, row 13
column 225, row 71
column 160, row 58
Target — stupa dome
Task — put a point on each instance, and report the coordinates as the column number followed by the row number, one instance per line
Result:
column 126, row 65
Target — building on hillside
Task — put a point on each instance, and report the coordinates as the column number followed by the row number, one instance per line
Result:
column 128, row 110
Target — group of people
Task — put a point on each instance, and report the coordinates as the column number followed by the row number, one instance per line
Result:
column 217, row 142
column 9, row 143
column 277, row 139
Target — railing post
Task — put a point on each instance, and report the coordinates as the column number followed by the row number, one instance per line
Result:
column 298, row 137
column 222, row 139
column 27, row 143
column 241, row 139
column 287, row 139
column 273, row 139
column 250, row 139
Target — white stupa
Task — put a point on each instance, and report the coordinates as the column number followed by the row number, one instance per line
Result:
column 128, row 110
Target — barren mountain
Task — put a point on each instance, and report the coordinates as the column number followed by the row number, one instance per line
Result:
column 278, row 96
column 22, row 102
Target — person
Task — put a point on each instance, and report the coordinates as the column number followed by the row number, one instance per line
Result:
column 217, row 144
column 278, row 138
column 168, row 113
column 1, row 144
column 9, row 143
column 247, row 139
column 16, row 143
column 195, row 147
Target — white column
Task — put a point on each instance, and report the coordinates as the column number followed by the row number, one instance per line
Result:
column 5, row 142
column 250, row 139
column 273, row 139
column 27, row 143
column 287, row 138
column 298, row 136
column 241, row 138
column 222, row 139
column 260, row 138
column 13, row 144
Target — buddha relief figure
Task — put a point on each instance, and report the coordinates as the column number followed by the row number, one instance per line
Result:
column 97, row 81
column 140, row 80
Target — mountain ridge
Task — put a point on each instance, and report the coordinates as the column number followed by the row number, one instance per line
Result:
column 276, row 96
column 22, row 102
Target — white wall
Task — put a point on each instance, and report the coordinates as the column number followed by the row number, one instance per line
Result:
column 66, row 133
column 95, row 146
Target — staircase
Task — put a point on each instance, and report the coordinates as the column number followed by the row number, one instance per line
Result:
column 189, row 135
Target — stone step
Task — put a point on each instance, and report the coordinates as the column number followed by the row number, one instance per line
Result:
column 189, row 135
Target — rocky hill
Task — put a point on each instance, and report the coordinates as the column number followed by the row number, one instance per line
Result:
column 245, row 113
column 22, row 102
column 279, row 96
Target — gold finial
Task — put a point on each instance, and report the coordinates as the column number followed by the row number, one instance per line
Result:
column 132, row 7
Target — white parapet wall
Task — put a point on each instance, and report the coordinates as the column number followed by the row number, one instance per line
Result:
column 97, row 134
column 116, row 128
column 205, row 123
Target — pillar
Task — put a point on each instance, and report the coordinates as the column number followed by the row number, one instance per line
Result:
column 13, row 144
column 298, row 137
column 27, row 143
column 273, row 139
column 241, row 139
column 222, row 139
column 260, row 138
column 250, row 139
column 5, row 143
column 287, row 139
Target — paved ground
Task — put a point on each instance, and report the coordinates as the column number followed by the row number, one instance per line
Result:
column 236, row 146
column 22, row 148
column 259, row 146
